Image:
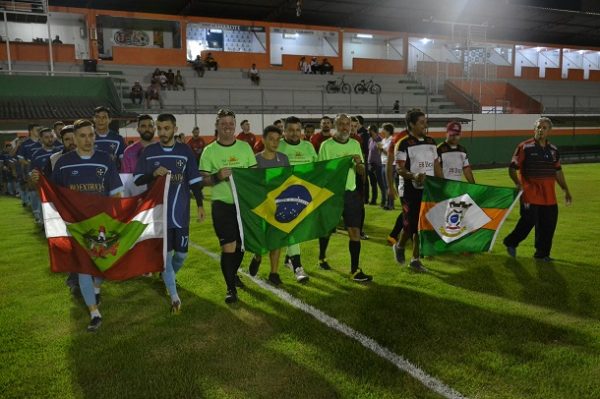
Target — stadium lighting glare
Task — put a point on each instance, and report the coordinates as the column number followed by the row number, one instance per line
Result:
column 538, row 49
column 364, row 36
column 425, row 40
column 290, row 35
column 581, row 51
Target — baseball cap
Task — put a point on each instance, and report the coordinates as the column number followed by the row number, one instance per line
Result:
column 453, row 128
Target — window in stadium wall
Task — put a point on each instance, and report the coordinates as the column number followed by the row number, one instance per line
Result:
column 130, row 32
column 222, row 37
column 303, row 43
column 372, row 46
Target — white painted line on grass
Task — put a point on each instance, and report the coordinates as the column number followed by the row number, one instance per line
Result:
column 401, row 363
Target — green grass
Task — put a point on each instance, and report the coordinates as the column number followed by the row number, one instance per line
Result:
column 486, row 325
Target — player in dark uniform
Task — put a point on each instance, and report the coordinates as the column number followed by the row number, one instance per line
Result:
column 108, row 140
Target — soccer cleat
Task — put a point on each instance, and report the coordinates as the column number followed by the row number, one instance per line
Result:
column 324, row 265
column 363, row 236
column 301, row 277
column 545, row 259
column 98, row 299
column 512, row 251
column 417, row 266
column 399, row 254
column 176, row 307
column 274, row 279
column 231, row 296
column 94, row 324
column 238, row 282
column 361, row 277
column 391, row 240
column 253, row 267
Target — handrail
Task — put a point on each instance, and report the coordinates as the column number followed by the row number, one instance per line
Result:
column 56, row 73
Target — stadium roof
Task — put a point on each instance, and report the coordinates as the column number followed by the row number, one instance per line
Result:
column 565, row 22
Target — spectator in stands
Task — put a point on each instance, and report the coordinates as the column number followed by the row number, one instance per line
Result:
column 196, row 143
column 179, row 81
column 162, row 80
column 156, row 74
column 326, row 67
column 210, row 62
column 396, row 107
column 153, row 93
column 304, row 66
column 170, row 79
column 137, row 93
column 246, row 135
column 314, row 65
column 198, row 66
column 309, row 129
column 57, row 40
column 253, row 74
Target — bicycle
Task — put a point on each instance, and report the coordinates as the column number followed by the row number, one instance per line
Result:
column 338, row 85
column 363, row 87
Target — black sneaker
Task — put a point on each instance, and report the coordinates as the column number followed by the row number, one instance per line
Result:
column 274, row 279
column 417, row 266
column 512, row 251
column 363, row 236
column 253, row 267
column 361, row 277
column 324, row 265
column 238, row 282
column 545, row 259
column 94, row 324
column 399, row 254
column 176, row 307
column 98, row 299
column 231, row 296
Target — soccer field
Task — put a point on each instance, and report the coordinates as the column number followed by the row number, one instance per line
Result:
column 487, row 326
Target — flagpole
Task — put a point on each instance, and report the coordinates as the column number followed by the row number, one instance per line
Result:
column 237, row 211
column 503, row 219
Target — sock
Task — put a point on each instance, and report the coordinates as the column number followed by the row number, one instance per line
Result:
column 96, row 290
column 229, row 268
column 323, row 244
column 296, row 261
column 395, row 233
column 95, row 313
column 413, row 259
column 354, row 247
column 175, row 298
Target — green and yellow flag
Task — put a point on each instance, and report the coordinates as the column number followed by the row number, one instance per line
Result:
column 462, row 217
column 282, row 206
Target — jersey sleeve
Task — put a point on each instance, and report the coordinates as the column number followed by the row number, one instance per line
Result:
column 400, row 153
column 518, row 157
column 466, row 163
column 121, row 150
column 251, row 157
column 56, row 175
column 113, row 180
column 140, row 167
column 192, row 173
column 322, row 153
column 557, row 164
column 206, row 164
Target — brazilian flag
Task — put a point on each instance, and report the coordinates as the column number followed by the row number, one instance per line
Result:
column 282, row 206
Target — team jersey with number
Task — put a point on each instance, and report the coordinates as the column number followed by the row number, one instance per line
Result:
column 217, row 156
column 180, row 160
column 454, row 160
column 417, row 155
column 331, row 149
column 95, row 174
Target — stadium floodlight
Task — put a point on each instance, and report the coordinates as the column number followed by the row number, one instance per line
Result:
column 425, row 40
column 364, row 36
column 290, row 35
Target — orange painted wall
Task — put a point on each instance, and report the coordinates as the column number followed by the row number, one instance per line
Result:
column 575, row 74
column 367, row 65
column 595, row 76
column 530, row 73
column 38, row 52
column 553, row 74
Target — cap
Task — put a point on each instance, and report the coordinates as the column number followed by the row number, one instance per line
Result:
column 453, row 128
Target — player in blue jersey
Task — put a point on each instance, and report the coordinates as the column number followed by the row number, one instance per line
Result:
column 38, row 162
column 158, row 159
column 87, row 170
column 107, row 140
column 24, row 156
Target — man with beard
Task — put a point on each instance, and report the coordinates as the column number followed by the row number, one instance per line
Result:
column 323, row 135
column 159, row 159
column 217, row 160
column 145, row 128
column 107, row 140
column 340, row 145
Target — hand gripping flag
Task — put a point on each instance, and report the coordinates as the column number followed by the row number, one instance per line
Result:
column 115, row 238
column 462, row 217
column 282, row 206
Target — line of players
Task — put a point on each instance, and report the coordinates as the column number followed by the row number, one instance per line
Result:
column 97, row 153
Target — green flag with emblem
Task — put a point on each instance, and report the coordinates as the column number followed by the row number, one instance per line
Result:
column 282, row 206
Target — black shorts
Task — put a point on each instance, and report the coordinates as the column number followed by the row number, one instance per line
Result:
column 177, row 239
column 411, row 206
column 354, row 208
column 225, row 222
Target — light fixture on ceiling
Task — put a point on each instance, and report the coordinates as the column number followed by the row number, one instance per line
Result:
column 364, row 35
column 425, row 40
column 290, row 35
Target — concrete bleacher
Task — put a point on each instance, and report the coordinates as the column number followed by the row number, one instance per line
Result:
column 562, row 96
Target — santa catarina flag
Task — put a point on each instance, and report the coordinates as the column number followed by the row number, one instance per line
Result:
column 282, row 206
column 462, row 217
column 115, row 238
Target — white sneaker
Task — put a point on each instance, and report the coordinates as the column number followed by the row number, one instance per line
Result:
column 301, row 277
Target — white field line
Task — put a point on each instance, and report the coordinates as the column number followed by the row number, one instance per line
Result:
column 401, row 363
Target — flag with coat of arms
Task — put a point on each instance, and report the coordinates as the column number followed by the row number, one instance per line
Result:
column 281, row 206
column 114, row 238
column 461, row 217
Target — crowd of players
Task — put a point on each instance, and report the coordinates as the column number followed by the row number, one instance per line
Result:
column 89, row 156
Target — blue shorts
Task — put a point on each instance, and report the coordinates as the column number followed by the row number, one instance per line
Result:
column 177, row 239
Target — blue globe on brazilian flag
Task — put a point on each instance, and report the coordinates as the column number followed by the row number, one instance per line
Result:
column 282, row 206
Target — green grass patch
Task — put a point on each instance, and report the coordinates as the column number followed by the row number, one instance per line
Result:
column 487, row 325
